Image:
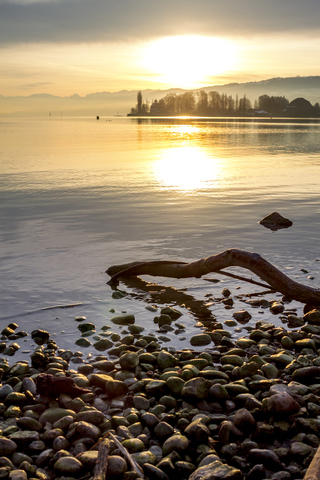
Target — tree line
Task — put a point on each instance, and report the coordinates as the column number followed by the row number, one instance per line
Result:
column 210, row 104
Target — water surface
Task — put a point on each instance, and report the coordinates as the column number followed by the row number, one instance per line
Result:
column 79, row 195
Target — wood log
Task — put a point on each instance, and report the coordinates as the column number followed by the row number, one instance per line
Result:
column 51, row 386
column 232, row 257
column 313, row 472
column 100, row 470
column 127, row 455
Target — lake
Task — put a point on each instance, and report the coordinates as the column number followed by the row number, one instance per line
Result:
column 78, row 195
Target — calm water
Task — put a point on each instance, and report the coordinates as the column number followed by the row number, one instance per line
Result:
column 79, row 195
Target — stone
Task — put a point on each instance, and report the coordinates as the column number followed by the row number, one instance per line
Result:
column 116, row 466
column 235, row 360
column 7, row 446
column 156, row 387
column 312, row 317
column 216, row 471
column 306, row 375
column 140, row 402
column 300, row 449
column 196, row 388
column 24, row 437
column 154, row 472
column 197, row 431
column 18, row 475
column 275, row 221
column 54, row 414
column 218, row 392
column 123, row 319
column 267, row 458
column 173, row 312
column 166, row 359
column 144, row 457
column 129, row 361
column 244, row 420
column 175, row 384
column 68, row 466
column 103, row 344
column 115, row 388
column 179, row 443
column 86, row 429
column 133, row 445
column 242, row 316
column 88, row 459
column 163, row 430
column 200, row 340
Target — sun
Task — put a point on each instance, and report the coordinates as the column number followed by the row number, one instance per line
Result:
column 187, row 168
column 189, row 61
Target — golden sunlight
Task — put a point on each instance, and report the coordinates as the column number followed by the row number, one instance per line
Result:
column 187, row 168
column 189, row 61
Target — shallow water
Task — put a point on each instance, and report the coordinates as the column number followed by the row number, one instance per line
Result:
column 79, row 195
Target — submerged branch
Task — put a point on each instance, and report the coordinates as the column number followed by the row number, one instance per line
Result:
column 232, row 257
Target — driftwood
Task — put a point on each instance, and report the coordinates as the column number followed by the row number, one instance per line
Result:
column 233, row 257
column 313, row 472
column 100, row 470
column 127, row 455
column 53, row 386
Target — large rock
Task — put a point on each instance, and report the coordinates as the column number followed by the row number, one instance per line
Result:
column 68, row 466
column 216, row 471
column 275, row 221
column 7, row 446
column 312, row 317
column 195, row 389
column 197, row 431
column 307, row 375
column 123, row 319
column 54, row 414
column 179, row 443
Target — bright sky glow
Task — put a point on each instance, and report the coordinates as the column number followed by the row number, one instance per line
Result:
column 189, row 61
column 75, row 46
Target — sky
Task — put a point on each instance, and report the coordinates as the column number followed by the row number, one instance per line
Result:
column 63, row 47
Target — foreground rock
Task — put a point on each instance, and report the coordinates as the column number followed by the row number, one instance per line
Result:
column 249, row 410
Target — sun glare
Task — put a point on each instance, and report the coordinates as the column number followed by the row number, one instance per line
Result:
column 189, row 61
column 186, row 168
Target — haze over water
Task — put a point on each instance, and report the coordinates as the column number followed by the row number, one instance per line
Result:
column 80, row 195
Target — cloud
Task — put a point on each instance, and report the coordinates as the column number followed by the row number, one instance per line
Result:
column 28, row 86
column 86, row 21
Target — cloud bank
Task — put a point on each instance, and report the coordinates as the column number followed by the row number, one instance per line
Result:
column 75, row 21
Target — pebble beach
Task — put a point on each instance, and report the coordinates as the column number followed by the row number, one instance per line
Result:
column 225, row 408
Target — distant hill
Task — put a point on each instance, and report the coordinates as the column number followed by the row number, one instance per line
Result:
column 108, row 103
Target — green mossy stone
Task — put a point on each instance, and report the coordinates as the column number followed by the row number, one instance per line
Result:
column 235, row 360
column 83, row 342
column 200, row 340
column 175, row 384
column 123, row 319
column 133, row 445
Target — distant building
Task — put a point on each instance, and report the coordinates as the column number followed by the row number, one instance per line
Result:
column 255, row 112
column 300, row 107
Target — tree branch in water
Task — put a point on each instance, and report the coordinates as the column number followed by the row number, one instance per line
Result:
column 232, row 257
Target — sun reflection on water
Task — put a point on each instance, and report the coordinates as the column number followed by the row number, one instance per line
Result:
column 187, row 168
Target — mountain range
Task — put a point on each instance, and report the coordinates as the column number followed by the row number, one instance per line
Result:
column 120, row 103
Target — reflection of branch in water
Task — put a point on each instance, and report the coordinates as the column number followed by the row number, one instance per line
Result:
column 154, row 293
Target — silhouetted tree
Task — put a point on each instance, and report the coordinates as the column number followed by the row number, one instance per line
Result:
column 244, row 105
column 202, row 106
column 214, row 103
column 139, row 103
column 273, row 105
